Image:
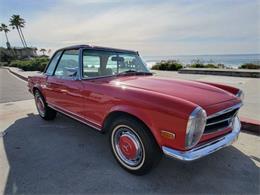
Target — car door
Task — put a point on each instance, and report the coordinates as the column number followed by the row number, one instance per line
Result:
column 65, row 88
column 49, row 93
column 94, row 77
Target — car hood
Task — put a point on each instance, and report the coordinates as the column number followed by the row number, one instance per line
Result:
column 195, row 92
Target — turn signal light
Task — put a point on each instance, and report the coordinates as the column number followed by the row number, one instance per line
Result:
column 168, row 135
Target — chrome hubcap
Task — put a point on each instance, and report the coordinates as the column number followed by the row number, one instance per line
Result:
column 127, row 146
column 40, row 105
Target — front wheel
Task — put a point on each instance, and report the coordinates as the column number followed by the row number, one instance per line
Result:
column 133, row 146
column 44, row 110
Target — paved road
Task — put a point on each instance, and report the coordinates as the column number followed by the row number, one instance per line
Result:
column 67, row 157
column 11, row 88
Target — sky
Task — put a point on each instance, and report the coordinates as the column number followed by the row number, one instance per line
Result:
column 153, row 27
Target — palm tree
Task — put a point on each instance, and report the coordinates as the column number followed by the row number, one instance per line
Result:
column 17, row 22
column 5, row 29
column 43, row 51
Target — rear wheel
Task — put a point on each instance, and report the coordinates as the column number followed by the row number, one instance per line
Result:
column 44, row 110
column 133, row 146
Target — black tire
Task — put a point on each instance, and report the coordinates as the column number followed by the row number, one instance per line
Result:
column 136, row 158
column 45, row 111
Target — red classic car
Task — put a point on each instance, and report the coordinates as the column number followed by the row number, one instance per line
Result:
column 112, row 91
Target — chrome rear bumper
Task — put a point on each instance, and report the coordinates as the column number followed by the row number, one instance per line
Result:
column 206, row 149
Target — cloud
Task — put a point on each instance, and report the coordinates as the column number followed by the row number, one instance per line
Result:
column 85, row 2
column 154, row 28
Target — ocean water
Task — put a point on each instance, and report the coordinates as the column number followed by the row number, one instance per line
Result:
column 233, row 60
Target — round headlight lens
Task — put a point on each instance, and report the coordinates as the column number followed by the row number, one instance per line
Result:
column 195, row 127
column 240, row 94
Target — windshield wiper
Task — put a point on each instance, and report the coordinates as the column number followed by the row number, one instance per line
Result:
column 133, row 72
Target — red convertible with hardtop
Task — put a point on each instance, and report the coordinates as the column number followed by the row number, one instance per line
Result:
column 112, row 91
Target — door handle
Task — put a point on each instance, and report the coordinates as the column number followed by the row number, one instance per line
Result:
column 64, row 91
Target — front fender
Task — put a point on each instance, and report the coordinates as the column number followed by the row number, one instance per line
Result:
column 227, row 88
column 141, row 115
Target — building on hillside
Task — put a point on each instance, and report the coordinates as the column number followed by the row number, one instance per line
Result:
column 17, row 53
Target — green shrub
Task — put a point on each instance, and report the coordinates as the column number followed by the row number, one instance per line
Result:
column 155, row 67
column 35, row 64
column 170, row 65
column 250, row 66
column 198, row 65
column 211, row 66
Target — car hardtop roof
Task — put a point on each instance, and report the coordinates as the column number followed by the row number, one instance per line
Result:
column 97, row 48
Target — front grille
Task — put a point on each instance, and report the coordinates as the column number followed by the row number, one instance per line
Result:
column 221, row 120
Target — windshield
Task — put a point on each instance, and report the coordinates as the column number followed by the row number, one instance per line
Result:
column 106, row 63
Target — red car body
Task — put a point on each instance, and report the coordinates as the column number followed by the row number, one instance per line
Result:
column 163, row 105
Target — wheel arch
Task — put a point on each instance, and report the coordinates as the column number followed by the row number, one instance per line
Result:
column 140, row 117
column 35, row 88
column 39, row 89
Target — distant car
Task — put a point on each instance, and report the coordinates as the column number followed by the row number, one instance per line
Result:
column 112, row 91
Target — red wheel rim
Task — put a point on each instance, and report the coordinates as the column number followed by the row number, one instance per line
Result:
column 127, row 146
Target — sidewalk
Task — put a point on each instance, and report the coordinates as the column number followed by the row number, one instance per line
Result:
column 249, row 113
column 22, row 74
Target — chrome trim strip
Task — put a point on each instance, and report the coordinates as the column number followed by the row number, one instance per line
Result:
column 194, row 112
column 225, row 111
column 240, row 94
column 70, row 114
column 218, row 130
column 209, row 124
column 205, row 149
column 192, row 116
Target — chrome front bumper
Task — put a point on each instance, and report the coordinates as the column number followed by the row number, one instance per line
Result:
column 206, row 149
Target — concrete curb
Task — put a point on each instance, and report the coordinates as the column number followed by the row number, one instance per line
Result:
column 18, row 75
column 250, row 125
column 247, row 124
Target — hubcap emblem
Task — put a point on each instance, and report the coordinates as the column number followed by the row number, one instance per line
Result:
column 128, row 147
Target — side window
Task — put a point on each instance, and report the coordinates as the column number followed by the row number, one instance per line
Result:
column 68, row 65
column 91, row 65
column 53, row 63
column 112, row 64
column 92, row 62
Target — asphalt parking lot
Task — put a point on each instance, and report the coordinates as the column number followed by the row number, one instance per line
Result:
column 66, row 157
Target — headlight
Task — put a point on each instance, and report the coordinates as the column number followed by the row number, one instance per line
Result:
column 195, row 127
column 240, row 95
